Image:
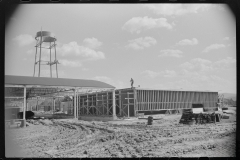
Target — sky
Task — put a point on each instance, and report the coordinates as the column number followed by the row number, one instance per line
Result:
column 160, row 46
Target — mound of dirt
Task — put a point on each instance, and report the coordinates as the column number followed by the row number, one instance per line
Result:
column 46, row 122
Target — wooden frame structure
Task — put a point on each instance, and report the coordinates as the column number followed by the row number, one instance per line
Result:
column 24, row 88
column 131, row 101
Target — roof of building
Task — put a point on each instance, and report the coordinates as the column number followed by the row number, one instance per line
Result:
column 46, row 87
column 155, row 89
column 58, row 82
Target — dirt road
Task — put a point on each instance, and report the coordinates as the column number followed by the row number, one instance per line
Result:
column 128, row 138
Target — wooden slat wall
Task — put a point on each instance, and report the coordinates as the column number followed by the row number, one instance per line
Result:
column 165, row 100
column 141, row 99
column 189, row 99
column 175, row 100
column 162, row 99
column 152, row 100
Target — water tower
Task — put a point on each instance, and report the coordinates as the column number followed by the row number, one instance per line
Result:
column 45, row 40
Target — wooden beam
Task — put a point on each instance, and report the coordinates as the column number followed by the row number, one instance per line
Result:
column 150, row 99
column 135, row 101
column 24, row 105
column 154, row 100
column 171, row 99
column 128, row 102
column 148, row 96
column 87, row 105
column 142, row 100
column 167, row 99
column 114, row 104
column 75, row 103
column 97, row 112
column 107, row 104
column 174, row 100
column 120, row 103
column 177, row 99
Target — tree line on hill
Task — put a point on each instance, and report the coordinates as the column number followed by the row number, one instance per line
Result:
column 230, row 102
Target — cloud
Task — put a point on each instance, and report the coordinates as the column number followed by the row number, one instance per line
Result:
column 92, row 43
column 194, row 41
column 171, row 53
column 169, row 73
column 30, row 51
column 68, row 63
column 176, row 9
column 24, row 39
column 141, row 43
column 213, row 47
column 117, row 84
column 153, row 74
column 73, row 48
column 226, row 38
column 138, row 24
column 202, row 74
column 197, row 64
column 181, row 84
column 224, row 64
column 202, row 66
column 85, row 69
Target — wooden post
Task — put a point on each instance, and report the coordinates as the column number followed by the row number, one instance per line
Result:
column 77, row 104
column 75, row 112
column 177, row 104
column 24, row 107
column 154, row 101
column 135, row 100
column 50, row 61
column 120, row 104
column 114, row 104
column 158, row 100
column 107, row 104
column 167, row 99
column 163, row 100
column 151, row 99
column 53, row 104
column 92, row 104
column 128, row 103
column 147, row 93
column 141, row 100
column 102, row 105
column 40, row 55
column 145, row 98
column 97, row 112
column 87, row 105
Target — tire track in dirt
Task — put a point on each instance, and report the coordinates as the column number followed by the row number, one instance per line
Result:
column 68, row 138
column 87, row 134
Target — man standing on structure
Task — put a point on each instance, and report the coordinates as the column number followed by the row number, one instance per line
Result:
column 131, row 82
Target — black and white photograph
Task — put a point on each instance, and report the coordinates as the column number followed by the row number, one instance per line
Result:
column 120, row 80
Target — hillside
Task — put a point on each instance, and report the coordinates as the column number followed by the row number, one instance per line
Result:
column 232, row 96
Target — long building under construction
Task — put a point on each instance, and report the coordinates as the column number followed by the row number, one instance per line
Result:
column 131, row 101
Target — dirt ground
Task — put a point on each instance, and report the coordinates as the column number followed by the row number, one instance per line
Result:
column 125, row 138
